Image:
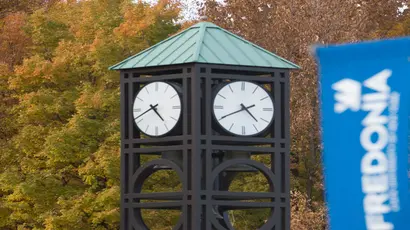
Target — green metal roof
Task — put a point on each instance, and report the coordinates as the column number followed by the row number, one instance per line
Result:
column 205, row 43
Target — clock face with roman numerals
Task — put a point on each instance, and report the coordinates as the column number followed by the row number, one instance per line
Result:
column 243, row 108
column 157, row 108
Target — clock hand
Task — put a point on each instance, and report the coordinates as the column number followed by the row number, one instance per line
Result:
column 152, row 107
column 237, row 111
column 243, row 107
column 155, row 110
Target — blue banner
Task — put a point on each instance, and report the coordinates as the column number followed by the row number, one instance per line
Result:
column 365, row 124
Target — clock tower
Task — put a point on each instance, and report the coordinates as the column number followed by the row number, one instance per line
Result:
column 207, row 102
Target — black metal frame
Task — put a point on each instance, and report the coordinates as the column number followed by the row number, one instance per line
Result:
column 203, row 185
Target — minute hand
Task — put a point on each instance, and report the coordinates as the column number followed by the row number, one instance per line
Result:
column 242, row 109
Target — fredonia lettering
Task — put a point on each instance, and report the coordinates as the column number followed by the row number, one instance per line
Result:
column 374, row 165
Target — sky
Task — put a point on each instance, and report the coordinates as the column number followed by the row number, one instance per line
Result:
column 189, row 8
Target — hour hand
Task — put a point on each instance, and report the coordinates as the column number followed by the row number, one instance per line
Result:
column 155, row 110
column 247, row 110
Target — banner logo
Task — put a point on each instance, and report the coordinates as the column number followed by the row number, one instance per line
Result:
column 348, row 95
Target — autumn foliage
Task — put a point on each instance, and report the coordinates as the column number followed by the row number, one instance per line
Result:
column 59, row 162
column 59, row 103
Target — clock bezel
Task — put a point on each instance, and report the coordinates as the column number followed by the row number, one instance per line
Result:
column 219, row 128
column 177, row 126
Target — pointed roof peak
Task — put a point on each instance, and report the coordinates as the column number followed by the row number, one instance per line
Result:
column 205, row 24
column 205, row 42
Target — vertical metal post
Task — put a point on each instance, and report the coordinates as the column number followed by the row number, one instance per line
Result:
column 123, row 210
column 196, row 169
column 186, row 151
column 286, row 111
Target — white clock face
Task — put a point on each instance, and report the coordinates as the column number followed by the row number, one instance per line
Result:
column 243, row 108
column 157, row 108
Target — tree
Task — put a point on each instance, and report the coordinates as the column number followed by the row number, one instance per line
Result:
column 7, row 6
column 13, row 39
column 398, row 29
column 59, row 166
